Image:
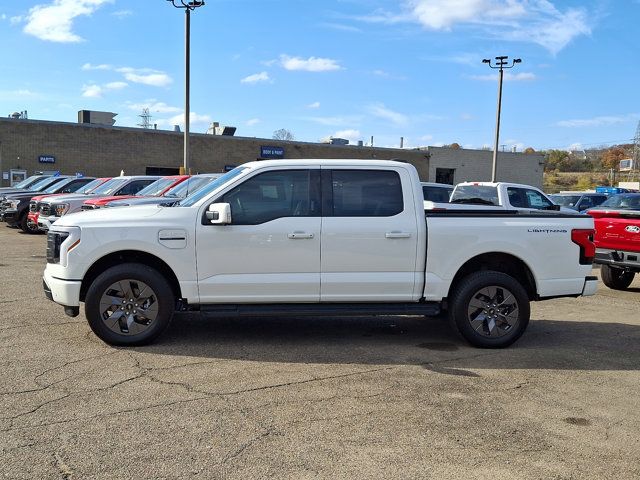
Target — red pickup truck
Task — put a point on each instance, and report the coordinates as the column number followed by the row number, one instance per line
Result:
column 617, row 239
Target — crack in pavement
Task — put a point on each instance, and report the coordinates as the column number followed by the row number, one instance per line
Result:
column 244, row 447
column 41, row 374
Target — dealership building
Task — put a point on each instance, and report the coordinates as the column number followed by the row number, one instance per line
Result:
column 28, row 146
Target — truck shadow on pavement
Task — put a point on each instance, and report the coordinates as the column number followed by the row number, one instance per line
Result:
column 400, row 340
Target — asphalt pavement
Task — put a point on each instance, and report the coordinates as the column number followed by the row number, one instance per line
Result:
column 298, row 398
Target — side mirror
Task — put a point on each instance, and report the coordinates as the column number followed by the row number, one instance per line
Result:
column 219, row 214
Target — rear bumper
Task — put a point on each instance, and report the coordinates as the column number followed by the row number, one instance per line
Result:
column 618, row 258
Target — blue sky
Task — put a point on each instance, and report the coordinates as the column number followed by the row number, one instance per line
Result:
column 345, row 68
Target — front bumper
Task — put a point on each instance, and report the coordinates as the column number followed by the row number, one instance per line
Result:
column 44, row 223
column 618, row 258
column 63, row 292
column 9, row 217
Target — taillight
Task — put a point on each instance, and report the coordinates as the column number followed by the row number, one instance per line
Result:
column 584, row 239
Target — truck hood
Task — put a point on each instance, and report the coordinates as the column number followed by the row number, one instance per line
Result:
column 131, row 217
column 68, row 196
column 100, row 200
column 137, row 201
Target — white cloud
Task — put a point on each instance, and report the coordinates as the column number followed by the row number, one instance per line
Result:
column 599, row 121
column 350, row 134
column 195, row 119
column 54, row 21
column 426, row 138
column 96, row 91
column 152, row 79
column 466, row 117
column 256, row 78
column 16, row 19
column 341, row 27
column 122, row 13
column 533, row 21
column 311, row 64
column 116, row 85
column 92, row 91
column 3, row 16
column 154, row 106
column 380, row 111
column 314, row 105
column 103, row 66
column 252, row 121
column 508, row 77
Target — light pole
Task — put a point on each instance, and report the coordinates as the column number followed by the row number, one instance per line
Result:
column 501, row 63
column 187, row 6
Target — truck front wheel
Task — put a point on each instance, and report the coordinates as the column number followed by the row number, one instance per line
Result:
column 616, row 278
column 129, row 304
column 489, row 309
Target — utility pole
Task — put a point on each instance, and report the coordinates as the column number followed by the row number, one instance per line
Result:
column 188, row 6
column 500, row 64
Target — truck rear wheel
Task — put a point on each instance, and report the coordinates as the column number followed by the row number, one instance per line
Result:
column 616, row 278
column 489, row 309
column 129, row 304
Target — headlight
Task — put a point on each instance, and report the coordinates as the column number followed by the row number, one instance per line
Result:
column 60, row 242
column 60, row 209
column 13, row 204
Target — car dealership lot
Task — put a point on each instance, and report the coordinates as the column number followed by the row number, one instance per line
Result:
column 394, row 397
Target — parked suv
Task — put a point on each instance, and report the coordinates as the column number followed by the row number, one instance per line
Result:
column 579, row 201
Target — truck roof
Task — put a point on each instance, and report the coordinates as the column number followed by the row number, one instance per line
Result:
column 324, row 161
column 496, row 184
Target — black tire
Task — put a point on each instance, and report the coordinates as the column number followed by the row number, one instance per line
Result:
column 147, row 329
column 616, row 278
column 489, row 324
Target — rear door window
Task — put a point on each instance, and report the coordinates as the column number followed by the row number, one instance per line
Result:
column 363, row 193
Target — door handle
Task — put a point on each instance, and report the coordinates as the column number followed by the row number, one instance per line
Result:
column 299, row 235
column 397, row 235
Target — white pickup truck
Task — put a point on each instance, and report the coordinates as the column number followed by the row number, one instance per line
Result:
column 511, row 196
column 315, row 237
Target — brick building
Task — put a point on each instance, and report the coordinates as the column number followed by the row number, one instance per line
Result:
column 97, row 150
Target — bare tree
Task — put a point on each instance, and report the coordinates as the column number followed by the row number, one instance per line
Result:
column 283, row 134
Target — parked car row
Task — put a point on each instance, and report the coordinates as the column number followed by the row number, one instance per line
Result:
column 42, row 200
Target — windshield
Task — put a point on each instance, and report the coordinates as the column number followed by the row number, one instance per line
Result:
column 188, row 187
column 26, row 182
column 625, row 201
column 56, row 186
column 110, row 186
column 478, row 194
column 156, row 188
column 42, row 184
column 436, row 194
column 217, row 183
column 566, row 200
column 90, row 186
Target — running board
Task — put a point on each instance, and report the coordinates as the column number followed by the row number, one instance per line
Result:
column 319, row 309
